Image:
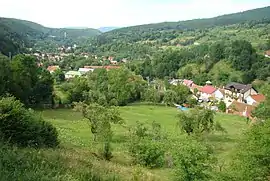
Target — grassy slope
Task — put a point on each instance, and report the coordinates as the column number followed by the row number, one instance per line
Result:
column 76, row 138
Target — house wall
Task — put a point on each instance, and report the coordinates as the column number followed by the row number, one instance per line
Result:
column 250, row 101
column 250, row 92
column 218, row 95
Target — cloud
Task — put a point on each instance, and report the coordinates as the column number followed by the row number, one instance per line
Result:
column 96, row 13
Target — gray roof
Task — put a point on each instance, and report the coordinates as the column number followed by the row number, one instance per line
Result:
column 241, row 88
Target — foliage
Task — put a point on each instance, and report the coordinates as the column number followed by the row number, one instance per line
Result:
column 146, row 145
column 59, row 76
column 100, row 119
column 193, row 161
column 26, row 81
column 22, row 127
column 196, row 121
column 252, row 158
column 222, row 106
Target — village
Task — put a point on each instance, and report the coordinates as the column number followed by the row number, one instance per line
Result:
column 240, row 99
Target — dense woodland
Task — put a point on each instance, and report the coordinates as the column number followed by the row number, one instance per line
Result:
column 223, row 49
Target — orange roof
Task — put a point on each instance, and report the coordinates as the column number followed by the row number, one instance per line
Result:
column 267, row 53
column 52, row 68
column 258, row 97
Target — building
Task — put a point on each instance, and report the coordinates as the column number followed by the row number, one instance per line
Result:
column 188, row 83
column 52, row 69
column 85, row 70
column 176, row 82
column 239, row 91
column 255, row 100
column 267, row 54
column 102, row 67
column 207, row 91
column 72, row 74
column 241, row 109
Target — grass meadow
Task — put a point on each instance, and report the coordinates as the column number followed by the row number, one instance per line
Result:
column 75, row 159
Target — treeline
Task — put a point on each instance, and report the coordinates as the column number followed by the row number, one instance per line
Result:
column 22, row 78
column 218, row 62
column 121, row 86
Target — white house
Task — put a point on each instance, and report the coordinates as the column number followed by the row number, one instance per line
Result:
column 239, row 91
column 207, row 91
column 218, row 94
column 72, row 74
column 85, row 70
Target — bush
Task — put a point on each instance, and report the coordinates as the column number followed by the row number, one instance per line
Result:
column 193, row 160
column 147, row 152
column 222, row 106
column 23, row 127
column 146, row 145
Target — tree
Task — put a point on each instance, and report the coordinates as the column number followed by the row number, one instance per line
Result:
column 100, row 119
column 252, row 158
column 193, row 161
column 59, row 76
column 31, row 84
column 170, row 97
column 182, row 93
column 4, row 74
column 217, row 51
column 242, row 55
column 196, row 121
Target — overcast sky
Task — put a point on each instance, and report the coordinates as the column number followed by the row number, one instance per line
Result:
column 97, row 13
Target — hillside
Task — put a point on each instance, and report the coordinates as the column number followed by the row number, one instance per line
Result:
column 136, row 40
column 16, row 34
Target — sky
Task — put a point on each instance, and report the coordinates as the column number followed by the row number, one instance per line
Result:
column 119, row 13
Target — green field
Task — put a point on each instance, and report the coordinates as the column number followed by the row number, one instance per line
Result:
column 77, row 146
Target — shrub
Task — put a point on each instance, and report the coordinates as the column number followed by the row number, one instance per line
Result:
column 22, row 127
column 222, row 106
column 193, row 160
column 146, row 145
column 147, row 152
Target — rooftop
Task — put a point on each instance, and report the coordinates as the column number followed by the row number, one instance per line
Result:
column 242, row 88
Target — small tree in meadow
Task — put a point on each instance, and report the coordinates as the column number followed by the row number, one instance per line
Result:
column 197, row 121
column 100, row 119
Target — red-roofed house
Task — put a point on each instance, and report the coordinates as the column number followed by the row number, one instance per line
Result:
column 255, row 99
column 207, row 91
column 52, row 69
column 188, row 83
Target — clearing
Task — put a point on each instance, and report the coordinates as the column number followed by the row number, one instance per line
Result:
column 77, row 146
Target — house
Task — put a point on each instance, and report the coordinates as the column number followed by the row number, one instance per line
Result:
column 255, row 99
column 188, row 83
column 102, row 67
column 207, row 91
column 267, row 54
column 72, row 74
column 52, row 69
column 85, row 70
column 239, row 91
column 113, row 62
column 219, row 94
column 175, row 81
column 241, row 109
